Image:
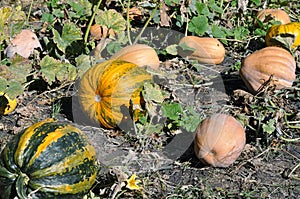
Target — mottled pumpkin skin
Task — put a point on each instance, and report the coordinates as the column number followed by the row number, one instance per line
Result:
column 290, row 30
column 107, row 90
column 54, row 159
column 270, row 63
column 219, row 140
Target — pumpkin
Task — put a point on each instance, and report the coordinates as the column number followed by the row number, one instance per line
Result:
column 219, row 140
column 206, row 50
column 98, row 32
column 266, row 15
column 277, row 33
column 271, row 64
column 108, row 90
column 139, row 54
column 47, row 160
column 7, row 105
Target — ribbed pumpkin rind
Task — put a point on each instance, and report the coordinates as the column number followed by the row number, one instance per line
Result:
column 73, row 173
column 118, row 83
column 257, row 68
column 139, row 54
column 207, row 50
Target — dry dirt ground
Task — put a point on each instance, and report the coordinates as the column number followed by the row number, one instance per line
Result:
column 267, row 168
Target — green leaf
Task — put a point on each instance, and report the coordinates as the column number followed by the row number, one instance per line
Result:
column 153, row 93
column 256, row 2
column 202, row 8
column 172, row 49
column 190, row 119
column 217, row 32
column 14, row 89
column 19, row 71
column 53, row 70
column 3, row 84
column 111, row 19
column 81, row 7
column 70, row 33
column 199, row 25
column 215, row 7
column 241, row 33
column 269, row 127
column 47, row 17
column 172, row 110
column 83, row 63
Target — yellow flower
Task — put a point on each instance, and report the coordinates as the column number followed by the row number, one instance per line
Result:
column 132, row 183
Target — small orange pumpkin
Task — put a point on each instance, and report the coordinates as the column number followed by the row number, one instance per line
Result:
column 270, row 63
column 139, row 54
column 219, row 140
column 266, row 15
column 206, row 50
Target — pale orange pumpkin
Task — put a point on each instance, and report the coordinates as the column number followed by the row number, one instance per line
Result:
column 139, row 54
column 206, row 50
column 266, row 15
column 219, row 140
column 271, row 64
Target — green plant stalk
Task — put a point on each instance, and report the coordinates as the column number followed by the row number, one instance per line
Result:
column 146, row 24
column 288, row 123
column 90, row 23
column 29, row 11
column 128, row 23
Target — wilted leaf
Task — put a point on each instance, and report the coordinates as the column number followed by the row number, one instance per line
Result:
column 5, row 13
column 111, row 19
column 153, row 93
column 172, row 49
column 164, row 17
column 70, row 33
column 53, row 70
column 23, row 44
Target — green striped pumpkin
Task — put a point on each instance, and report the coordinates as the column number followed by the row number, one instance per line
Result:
column 47, row 160
column 107, row 90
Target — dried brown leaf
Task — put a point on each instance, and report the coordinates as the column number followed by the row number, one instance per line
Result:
column 23, row 44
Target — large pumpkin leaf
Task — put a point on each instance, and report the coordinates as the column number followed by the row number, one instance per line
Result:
column 70, row 33
column 14, row 89
column 3, row 84
column 53, row 70
column 111, row 19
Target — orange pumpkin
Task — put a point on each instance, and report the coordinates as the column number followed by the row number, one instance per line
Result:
column 206, row 50
column 266, row 15
column 270, row 63
column 219, row 140
column 107, row 90
column 139, row 54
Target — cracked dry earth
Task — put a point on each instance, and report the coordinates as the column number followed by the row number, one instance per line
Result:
column 261, row 171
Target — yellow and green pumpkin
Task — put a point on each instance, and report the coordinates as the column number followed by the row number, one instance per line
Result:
column 108, row 90
column 47, row 160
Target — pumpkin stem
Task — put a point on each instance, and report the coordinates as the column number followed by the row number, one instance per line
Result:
column 21, row 183
column 97, row 98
